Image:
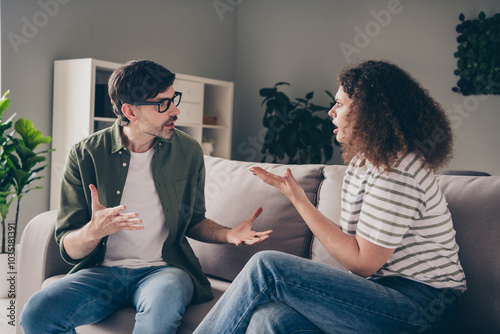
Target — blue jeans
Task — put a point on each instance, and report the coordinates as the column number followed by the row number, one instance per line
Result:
column 159, row 294
column 281, row 293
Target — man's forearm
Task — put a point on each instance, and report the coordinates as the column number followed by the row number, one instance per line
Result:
column 79, row 243
column 209, row 231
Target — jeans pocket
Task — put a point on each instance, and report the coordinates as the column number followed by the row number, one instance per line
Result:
column 434, row 304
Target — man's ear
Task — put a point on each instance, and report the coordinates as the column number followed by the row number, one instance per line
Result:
column 129, row 111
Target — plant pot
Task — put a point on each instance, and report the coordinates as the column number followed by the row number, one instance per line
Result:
column 208, row 148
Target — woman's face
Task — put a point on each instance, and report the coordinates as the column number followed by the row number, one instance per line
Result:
column 339, row 114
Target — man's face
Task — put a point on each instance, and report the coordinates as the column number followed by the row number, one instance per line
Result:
column 156, row 124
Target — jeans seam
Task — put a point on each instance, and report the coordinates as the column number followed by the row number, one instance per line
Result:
column 351, row 305
column 251, row 306
column 76, row 311
column 128, row 295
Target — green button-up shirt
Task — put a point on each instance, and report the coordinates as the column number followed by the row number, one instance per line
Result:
column 179, row 175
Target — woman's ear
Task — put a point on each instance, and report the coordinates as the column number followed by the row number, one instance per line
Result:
column 129, row 111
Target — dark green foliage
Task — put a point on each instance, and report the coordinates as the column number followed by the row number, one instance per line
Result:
column 295, row 130
column 478, row 54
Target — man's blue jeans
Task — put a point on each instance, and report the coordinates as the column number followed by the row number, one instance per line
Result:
column 280, row 293
column 159, row 294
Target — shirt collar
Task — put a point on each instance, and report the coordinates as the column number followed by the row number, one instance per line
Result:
column 116, row 138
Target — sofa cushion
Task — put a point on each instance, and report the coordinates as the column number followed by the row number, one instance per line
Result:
column 329, row 204
column 233, row 193
column 474, row 205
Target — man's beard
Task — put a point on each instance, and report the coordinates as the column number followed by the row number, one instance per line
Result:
column 161, row 131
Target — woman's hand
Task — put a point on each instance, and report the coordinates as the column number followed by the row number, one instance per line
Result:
column 286, row 183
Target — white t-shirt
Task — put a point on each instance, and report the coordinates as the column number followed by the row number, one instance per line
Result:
column 404, row 210
column 140, row 248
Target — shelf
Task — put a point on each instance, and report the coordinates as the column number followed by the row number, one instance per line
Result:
column 105, row 119
column 81, row 106
column 207, row 126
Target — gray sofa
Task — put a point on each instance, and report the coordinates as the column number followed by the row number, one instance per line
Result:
column 233, row 193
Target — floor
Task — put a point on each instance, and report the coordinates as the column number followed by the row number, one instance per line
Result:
column 5, row 328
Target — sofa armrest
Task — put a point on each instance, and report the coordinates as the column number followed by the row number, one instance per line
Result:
column 39, row 258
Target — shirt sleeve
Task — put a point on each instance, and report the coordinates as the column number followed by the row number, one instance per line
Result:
column 73, row 212
column 392, row 202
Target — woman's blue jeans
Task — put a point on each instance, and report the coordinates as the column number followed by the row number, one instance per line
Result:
column 281, row 293
column 159, row 294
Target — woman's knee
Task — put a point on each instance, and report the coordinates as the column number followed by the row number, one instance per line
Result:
column 275, row 262
column 278, row 318
column 269, row 258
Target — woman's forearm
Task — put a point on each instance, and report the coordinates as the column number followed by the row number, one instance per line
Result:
column 355, row 253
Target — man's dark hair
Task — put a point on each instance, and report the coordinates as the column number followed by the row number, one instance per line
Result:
column 136, row 81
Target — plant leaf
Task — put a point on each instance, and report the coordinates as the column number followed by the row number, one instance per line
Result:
column 31, row 136
column 4, row 102
column 267, row 92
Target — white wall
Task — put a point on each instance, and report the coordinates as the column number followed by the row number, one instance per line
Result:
column 256, row 44
column 299, row 41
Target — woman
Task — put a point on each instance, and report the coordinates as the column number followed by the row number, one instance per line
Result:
column 396, row 235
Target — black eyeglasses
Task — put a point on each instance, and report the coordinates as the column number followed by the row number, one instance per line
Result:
column 164, row 104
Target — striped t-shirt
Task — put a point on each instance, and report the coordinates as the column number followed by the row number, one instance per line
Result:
column 403, row 209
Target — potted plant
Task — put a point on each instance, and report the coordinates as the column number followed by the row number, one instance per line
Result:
column 19, row 167
column 207, row 144
column 294, row 129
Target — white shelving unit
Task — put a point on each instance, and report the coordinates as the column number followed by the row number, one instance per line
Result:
column 79, row 83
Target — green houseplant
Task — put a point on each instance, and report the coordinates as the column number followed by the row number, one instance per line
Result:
column 19, row 167
column 295, row 131
column 478, row 54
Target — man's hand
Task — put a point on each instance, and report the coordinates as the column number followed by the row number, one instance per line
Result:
column 209, row 231
column 243, row 233
column 106, row 221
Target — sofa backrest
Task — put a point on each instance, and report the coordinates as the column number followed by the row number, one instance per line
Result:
column 329, row 204
column 233, row 193
column 474, row 203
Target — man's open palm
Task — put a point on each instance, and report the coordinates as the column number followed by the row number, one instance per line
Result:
column 107, row 221
column 243, row 233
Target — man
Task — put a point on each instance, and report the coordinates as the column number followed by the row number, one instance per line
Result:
column 130, row 195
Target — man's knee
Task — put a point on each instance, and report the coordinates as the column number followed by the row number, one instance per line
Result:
column 171, row 287
column 34, row 314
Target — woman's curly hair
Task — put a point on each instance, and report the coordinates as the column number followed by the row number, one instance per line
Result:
column 392, row 114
